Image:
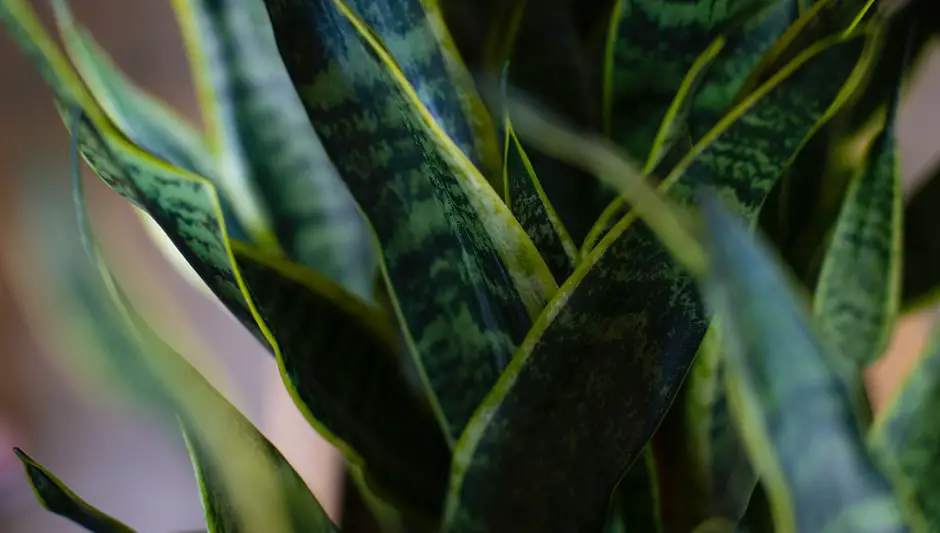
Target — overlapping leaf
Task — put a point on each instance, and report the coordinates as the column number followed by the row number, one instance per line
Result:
column 635, row 505
column 601, row 366
column 407, row 467
column 796, row 414
column 465, row 279
column 905, row 436
column 59, row 499
column 264, row 137
column 921, row 245
column 415, row 35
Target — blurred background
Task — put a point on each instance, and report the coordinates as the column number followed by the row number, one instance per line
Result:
column 133, row 467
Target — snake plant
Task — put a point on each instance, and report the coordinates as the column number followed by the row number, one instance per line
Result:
column 582, row 267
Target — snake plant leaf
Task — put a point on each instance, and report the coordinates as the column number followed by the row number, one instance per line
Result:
column 635, row 311
column 256, row 107
column 858, row 294
column 186, row 208
column 141, row 117
column 59, row 499
column 823, row 19
column 415, row 35
column 465, row 278
column 921, row 262
column 529, row 204
column 904, row 436
column 667, row 143
column 635, row 505
column 783, row 387
column 758, row 518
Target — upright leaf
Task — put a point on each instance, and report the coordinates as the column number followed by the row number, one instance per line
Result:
column 603, row 363
column 795, row 413
column 905, row 436
column 330, row 385
column 921, row 246
column 532, row 208
column 59, row 499
column 259, row 120
column 465, row 279
column 416, row 37
column 635, row 505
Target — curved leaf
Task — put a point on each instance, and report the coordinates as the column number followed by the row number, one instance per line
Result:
column 142, row 118
column 59, row 499
column 601, row 366
column 635, row 504
column 905, row 435
column 415, row 35
column 465, row 279
column 186, row 208
column 261, row 125
column 532, row 208
column 795, row 413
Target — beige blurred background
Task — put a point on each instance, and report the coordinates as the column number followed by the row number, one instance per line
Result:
column 131, row 467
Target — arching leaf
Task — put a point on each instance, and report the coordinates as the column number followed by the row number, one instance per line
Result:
column 465, row 279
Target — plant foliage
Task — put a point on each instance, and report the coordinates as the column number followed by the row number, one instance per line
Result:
column 636, row 253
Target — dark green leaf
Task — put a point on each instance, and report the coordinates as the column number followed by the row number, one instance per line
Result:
column 57, row 498
column 905, row 436
column 527, row 200
column 921, row 246
column 465, row 278
column 414, row 33
column 265, row 137
column 603, row 363
column 758, row 517
column 795, row 413
column 407, row 467
column 635, row 504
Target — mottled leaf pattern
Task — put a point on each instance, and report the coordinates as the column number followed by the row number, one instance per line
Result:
column 415, row 35
column 465, row 279
column 186, row 208
column 906, row 436
column 59, row 499
column 606, row 359
column 796, row 414
column 314, row 217
column 532, row 208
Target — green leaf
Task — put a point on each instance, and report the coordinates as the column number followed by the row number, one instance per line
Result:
column 857, row 297
column 601, row 366
column 635, row 504
column 905, row 436
column 921, row 246
column 59, row 499
column 528, row 202
column 416, row 37
column 783, row 388
column 465, row 279
column 667, row 145
column 552, row 61
column 141, row 117
column 326, row 375
column 262, row 127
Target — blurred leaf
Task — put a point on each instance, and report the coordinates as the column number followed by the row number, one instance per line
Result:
column 59, row 499
column 921, row 246
column 414, row 33
column 595, row 376
column 758, row 518
column 261, row 125
column 635, row 505
column 669, row 141
column 783, row 388
column 324, row 374
column 141, row 117
column 527, row 200
column 465, row 278
column 905, row 436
